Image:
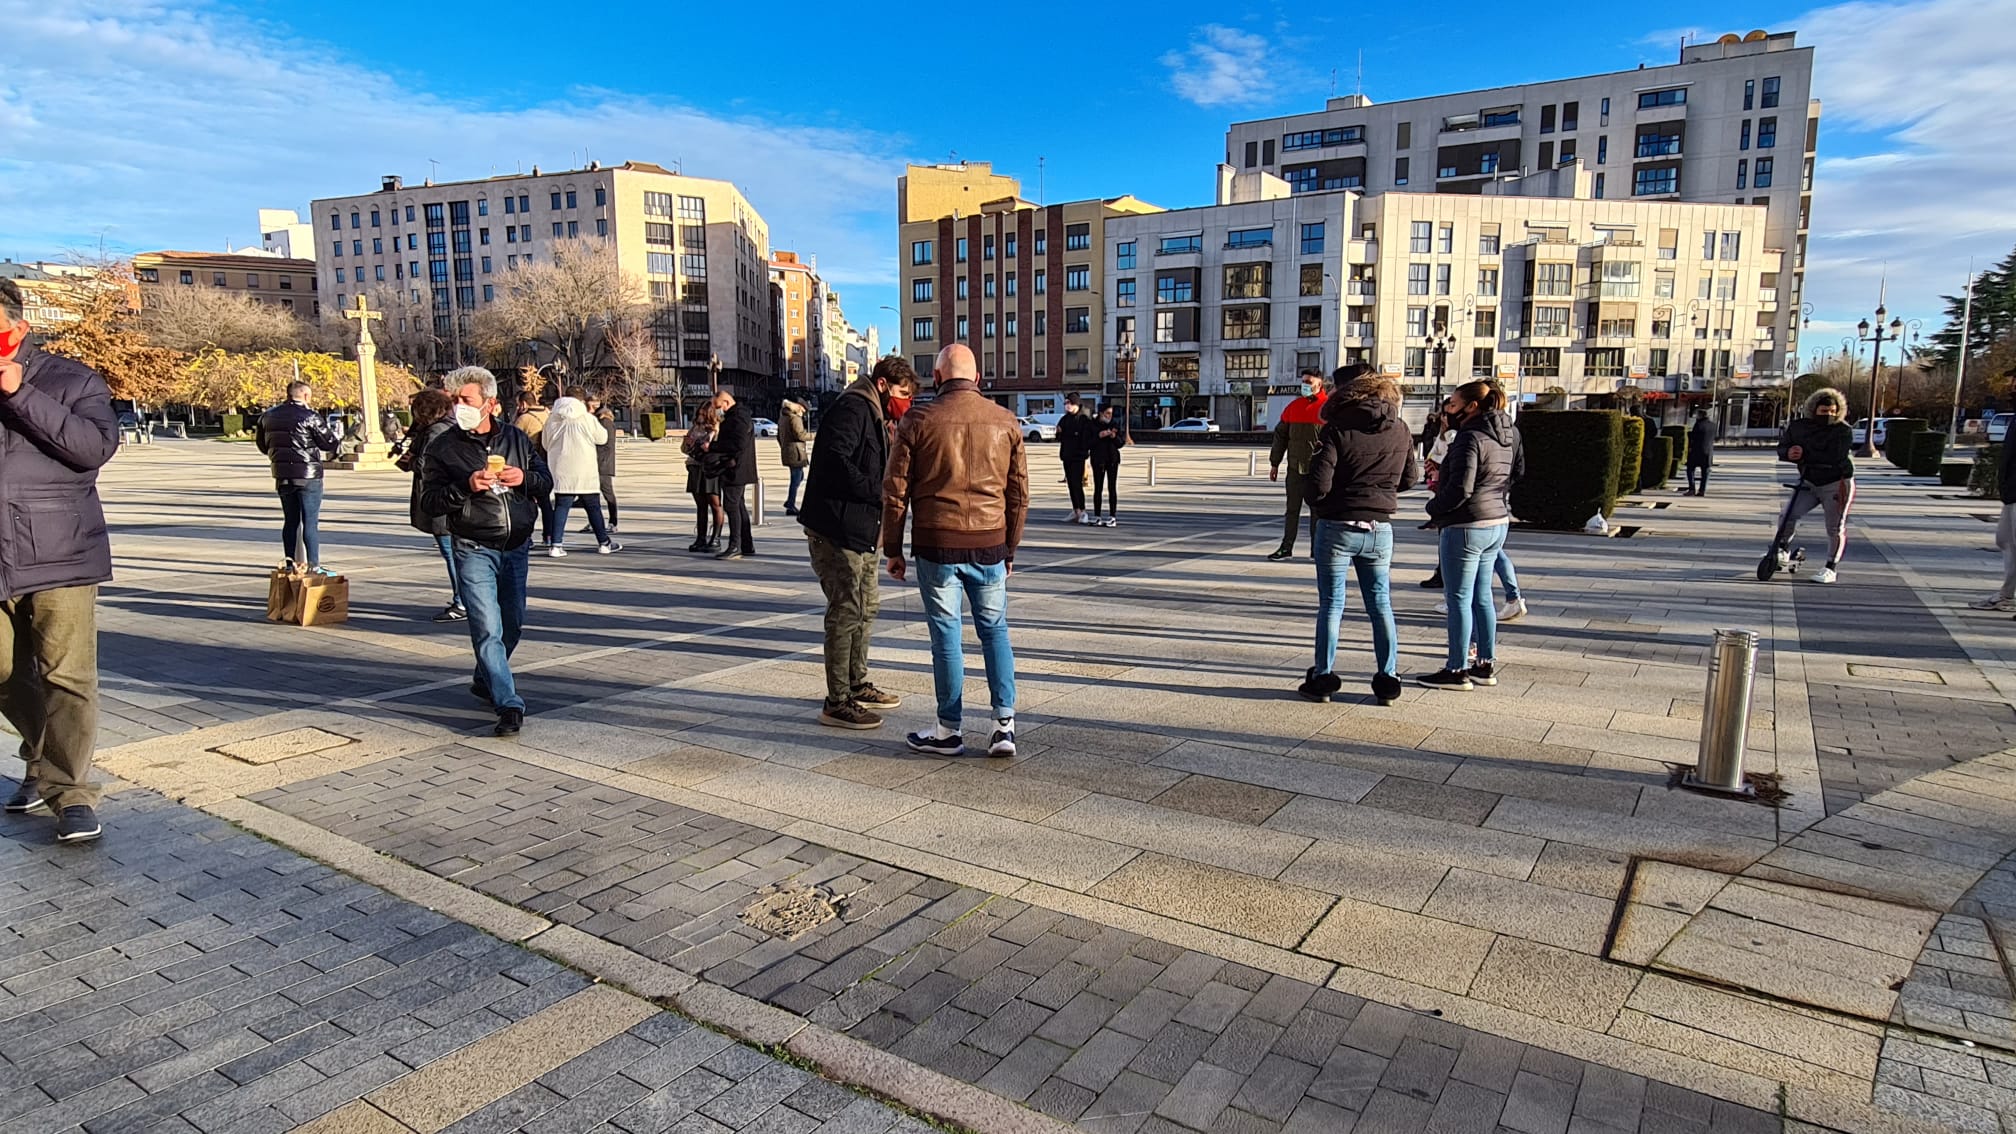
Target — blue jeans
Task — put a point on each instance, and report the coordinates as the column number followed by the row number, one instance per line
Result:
column 797, row 479
column 493, row 592
column 564, row 502
column 447, row 545
column 986, row 589
column 1468, row 557
column 1507, row 575
column 301, row 521
column 1370, row 554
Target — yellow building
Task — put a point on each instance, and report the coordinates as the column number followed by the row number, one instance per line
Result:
column 288, row 283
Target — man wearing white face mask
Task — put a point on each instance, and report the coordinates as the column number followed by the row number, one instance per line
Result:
column 487, row 477
column 1295, row 438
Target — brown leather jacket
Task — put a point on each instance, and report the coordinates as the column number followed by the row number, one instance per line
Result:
column 958, row 463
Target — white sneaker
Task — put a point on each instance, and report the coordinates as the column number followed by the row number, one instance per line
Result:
column 556, row 552
column 1514, row 609
column 1002, row 743
column 1111, row 521
column 2005, row 605
column 1824, row 575
column 1442, row 608
column 610, row 548
column 1075, row 518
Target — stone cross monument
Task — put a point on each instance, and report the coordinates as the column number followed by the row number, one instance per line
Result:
column 374, row 453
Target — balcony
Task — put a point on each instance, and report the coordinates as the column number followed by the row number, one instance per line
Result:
column 1767, row 299
column 1358, row 330
column 1369, row 289
column 1362, row 252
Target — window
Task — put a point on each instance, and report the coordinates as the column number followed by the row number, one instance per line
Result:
column 1312, row 239
column 217, row 280
column 1176, row 287
column 1487, row 241
column 987, row 325
column 1619, row 279
column 987, row 285
column 252, row 279
column 147, row 275
column 1571, row 115
column 1732, row 245
column 1550, row 322
column 1009, row 283
column 960, row 329
column 511, row 234
column 921, row 330
column 511, row 205
column 1706, row 287
column 1767, row 133
column 1655, row 181
column 987, row 247
column 1312, row 279
column 1658, row 142
column 556, row 199
column 1077, row 320
column 1676, row 96
column 413, row 238
column 920, row 252
column 601, row 226
column 1669, row 243
column 1247, row 366
column 1011, row 324
column 1749, row 93
column 920, row 290
column 1174, row 244
column 1484, row 324
column 1442, row 272
column 1606, row 113
column 1123, row 255
column 336, row 221
column 1417, row 322
column 1009, row 251
column 1743, row 136
column 1123, row 293
column 1700, row 362
column 1617, row 328
column 1245, row 323
column 1658, row 364
column 1725, row 286
column 1249, row 238
column 1763, row 178
column 1540, row 362
column 1400, row 166
column 959, row 288
column 1770, row 93
column 959, row 250
column 1547, row 119
column 1504, row 116
column 1415, row 364
column 1445, row 239
column 1662, row 285
column 1042, row 327
column 1604, row 362
column 1077, row 237
column 1247, row 281
column 570, row 198
column 1420, row 233
column 1481, row 362
column 486, row 268
column 1077, row 277
column 1042, row 281
column 693, row 209
column 1417, row 279
column 1042, row 242
column 1567, row 151
column 1742, row 173
column 1553, row 279
column 1309, row 322
column 1602, row 149
column 1176, row 326
column 186, row 276
column 1599, row 186
column 559, row 229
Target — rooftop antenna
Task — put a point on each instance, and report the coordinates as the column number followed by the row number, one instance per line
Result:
column 1333, row 82
column 1039, row 178
column 1361, row 72
column 434, row 169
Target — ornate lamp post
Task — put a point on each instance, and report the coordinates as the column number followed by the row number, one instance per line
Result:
column 1868, row 334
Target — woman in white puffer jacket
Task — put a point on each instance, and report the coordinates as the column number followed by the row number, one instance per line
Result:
column 571, row 435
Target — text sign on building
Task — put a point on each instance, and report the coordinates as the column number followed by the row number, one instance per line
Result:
column 698, row 389
column 1155, row 387
column 1507, row 373
column 1639, row 372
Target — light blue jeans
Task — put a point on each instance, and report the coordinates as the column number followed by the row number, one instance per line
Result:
column 1507, row 575
column 1468, row 557
column 447, row 545
column 1370, row 554
column 943, row 585
column 493, row 592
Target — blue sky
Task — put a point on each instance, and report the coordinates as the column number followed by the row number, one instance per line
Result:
column 152, row 125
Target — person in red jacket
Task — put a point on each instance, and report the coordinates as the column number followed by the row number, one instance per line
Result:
column 1295, row 445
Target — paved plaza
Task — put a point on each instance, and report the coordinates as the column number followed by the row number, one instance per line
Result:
column 1193, row 902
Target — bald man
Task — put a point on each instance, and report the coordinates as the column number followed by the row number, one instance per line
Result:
column 958, row 466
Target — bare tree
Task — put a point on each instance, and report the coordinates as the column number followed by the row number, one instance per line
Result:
column 564, row 306
column 194, row 319
column 405, row 335
column 633, row 348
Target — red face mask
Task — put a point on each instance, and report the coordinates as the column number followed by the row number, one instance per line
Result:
column 898, row 406
column 10, row 341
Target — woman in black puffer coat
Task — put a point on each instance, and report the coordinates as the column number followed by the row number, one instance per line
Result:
column 430, row 420
column 1470, row 510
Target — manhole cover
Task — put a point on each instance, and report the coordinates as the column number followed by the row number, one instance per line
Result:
column 788, row 910
column 283, row 745
column 1896, row 673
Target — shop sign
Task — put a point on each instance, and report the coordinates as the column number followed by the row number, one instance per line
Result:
column 1240, row 389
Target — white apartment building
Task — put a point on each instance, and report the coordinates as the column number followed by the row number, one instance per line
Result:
column 1221, row 306
column 283, row 233
column 435, row 254
column 1732, row 122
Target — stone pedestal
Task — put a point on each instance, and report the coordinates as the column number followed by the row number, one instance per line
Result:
column 375, row 456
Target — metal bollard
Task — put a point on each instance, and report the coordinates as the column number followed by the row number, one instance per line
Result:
column 1725, row 714
column 1151, row 472
column 758, row 520
column 1252, row 463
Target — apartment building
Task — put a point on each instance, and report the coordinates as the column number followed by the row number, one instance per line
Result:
column 283, row 233
column 285, row 281
column 1732, row 122
column 1534, row 282
column 1017, row 281
column 435, row 254
column 801, row 314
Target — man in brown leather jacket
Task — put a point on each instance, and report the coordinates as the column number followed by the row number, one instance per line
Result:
column 958, row 466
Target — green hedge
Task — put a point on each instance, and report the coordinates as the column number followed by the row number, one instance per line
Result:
column 654, row 426
column 1571, row 467
column 1678, row 434
column 234, row 424
column 1897, row 439
column 1928, row 449
column 1630, row 454
column 1657, row 463
column 1955, row 474
column 1984, row 476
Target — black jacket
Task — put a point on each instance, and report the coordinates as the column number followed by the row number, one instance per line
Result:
column 294, row 437
column 843, row 486
column 1824, row 449
column 1700, row 443
column 733, row 457
column 417, row 449
column 56, row 431
column 605, row 453
column 2005, row 473
column 1074, row 435
column 500, row 521
column 1477, row 473
column 1108, row 438
column 1365, row 459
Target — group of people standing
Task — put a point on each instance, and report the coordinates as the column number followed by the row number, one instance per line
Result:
column 1094, row 438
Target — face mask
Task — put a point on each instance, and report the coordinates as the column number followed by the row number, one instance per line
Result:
column 1308, row 390
column 898, row 406
column 10, row 341
column 468, row 417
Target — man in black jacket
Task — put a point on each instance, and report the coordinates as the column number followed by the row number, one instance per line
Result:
column 487, row 477
column 294, row 437
column 57, row 429
column 1700, row 452
column 1075, row 431
column 734, row 455
column 842, row 517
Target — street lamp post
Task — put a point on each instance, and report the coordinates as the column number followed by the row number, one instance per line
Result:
column 1848, row 352
column 1126, row 355
column 1440, row 342
column 1960, row 366
column 1865, row 334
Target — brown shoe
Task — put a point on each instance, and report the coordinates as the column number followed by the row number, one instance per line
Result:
column 875, row 698
column 849, row 715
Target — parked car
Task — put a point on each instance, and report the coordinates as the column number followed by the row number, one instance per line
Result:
column 1196, row 425
column 1034, row 428
column 765, row 427
column 1882, row 430
column 1998, row 427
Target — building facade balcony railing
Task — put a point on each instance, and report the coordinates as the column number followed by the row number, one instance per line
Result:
column 1358, row 330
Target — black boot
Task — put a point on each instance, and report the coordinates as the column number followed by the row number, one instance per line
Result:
column 1318, row 686
column 699, row 535
column 1385, row 688
column 1433, row 582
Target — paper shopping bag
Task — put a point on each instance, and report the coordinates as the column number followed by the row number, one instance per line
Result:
column 325, row 600
column 283, row 596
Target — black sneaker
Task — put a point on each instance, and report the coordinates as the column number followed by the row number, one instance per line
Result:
column 1318, row 686
column 848, row 715
column 79, row 824
column 509, row 722
column 453, row 612
column 1432, row 582
column 731, row 553
column 936, row 745
column 875, row 698
column 1483, row 673
column 1002, row 743
column 27, row 799
column 1279, row 554
column 1385, row 688
column 1446, row 679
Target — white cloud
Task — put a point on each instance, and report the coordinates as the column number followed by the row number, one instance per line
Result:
column 1222, row 66
column 164, row 126
column 1924, row 87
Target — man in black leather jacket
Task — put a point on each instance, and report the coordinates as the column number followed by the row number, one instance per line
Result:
column 490, row 515
column 294, row 437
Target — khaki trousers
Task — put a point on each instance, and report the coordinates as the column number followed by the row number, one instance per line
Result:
column 848, row 578
column 49, row 688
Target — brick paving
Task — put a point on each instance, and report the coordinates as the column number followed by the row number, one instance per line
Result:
column 1872, row 739
column 1088, row 1023
column 182, row 975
